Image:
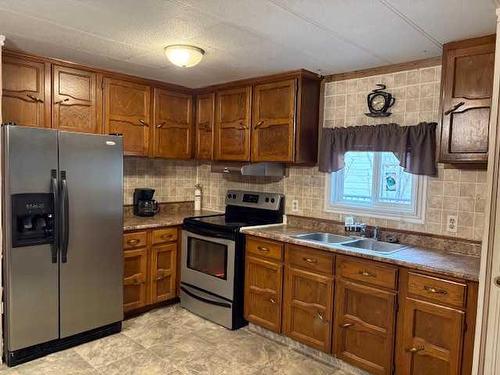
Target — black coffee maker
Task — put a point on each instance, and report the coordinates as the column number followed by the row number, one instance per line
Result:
column 144, row 204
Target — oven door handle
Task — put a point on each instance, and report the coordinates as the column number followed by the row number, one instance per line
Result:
column 206, row 300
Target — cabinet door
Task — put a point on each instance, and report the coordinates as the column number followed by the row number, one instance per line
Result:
column 26, row 91
column 127, row 111
column 134, row 279
column 205, row 106
column 273, row 121
column 163, row 271
column 74, row 100
column 467, row 91
column 307, row 308
column 232, row 124
column 263, row 288
column 364, row 326
column 173, row 125
column 432, row 338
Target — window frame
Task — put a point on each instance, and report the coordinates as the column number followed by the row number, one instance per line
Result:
column 416, row 214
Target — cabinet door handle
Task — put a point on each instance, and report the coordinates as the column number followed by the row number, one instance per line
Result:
column 160, row 125
column 34, row 98
column 433, row 290
column 273, row 301
column 310, row 260
column 259, row 124
column 137, row 281
column 263, row 249
column 62, row 101
column 346, row 325
column 454, row 108
column 133, row 241
column 415, row 349
column 320, row 316
column 143, row 123
column 366, row 273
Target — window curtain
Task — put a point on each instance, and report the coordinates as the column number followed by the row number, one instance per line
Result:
column 414, row 146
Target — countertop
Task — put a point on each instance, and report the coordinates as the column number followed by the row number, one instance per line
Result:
column 444, row 263
column 165, row 218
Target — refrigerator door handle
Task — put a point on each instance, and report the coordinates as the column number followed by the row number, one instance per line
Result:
column 54, row 247
column 64, row 218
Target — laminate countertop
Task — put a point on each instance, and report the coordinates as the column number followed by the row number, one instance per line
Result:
column 436, row 261
column 165, row 218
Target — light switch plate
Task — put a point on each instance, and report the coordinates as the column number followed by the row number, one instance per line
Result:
column 295, row 205
column 451, row 223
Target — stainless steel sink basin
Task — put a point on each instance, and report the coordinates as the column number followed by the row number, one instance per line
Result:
column 374, row 245
column 323, row 237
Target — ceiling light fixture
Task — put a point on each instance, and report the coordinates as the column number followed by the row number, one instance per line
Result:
column 184, row 55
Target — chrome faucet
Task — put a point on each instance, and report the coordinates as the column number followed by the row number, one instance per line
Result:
column 376, row 233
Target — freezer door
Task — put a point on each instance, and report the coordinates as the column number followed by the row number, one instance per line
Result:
column 30, row 277
column 91, row 272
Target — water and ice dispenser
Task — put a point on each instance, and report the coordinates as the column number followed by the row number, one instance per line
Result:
column 33, row 219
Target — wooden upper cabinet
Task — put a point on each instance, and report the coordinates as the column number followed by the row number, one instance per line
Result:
column 432, row 338
column 365, row 326
column 232, row 124
column 273, row 121
column 26, row 91
column 173, row 125
column 205, row 107
column 466, row 100
column 308, row 308
column 75, row 106
column 127, row 107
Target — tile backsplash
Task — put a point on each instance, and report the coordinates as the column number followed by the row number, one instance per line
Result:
column 452, row 192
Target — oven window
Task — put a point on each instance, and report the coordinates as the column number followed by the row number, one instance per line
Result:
column 207, row 257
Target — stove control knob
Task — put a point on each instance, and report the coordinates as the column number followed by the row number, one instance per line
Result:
column 267, row 200
column 234, row 196
column 272, row 200
column 229, row 196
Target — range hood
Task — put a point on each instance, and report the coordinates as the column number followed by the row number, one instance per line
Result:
column 250, row 169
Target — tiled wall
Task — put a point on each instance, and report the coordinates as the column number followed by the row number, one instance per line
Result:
column 173, row 180
column 457, row 192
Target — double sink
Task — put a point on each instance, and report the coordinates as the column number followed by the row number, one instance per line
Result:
column 351, row 242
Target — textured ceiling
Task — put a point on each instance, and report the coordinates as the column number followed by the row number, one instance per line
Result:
column 242, row 38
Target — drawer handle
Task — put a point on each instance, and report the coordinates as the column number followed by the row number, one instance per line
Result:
column 415, row 349
column 273, row 301
column 310, row 260
column 347, row 325
column 366, row 273
column 264, row 249
column 433, row 290
column 166, row 236
column 133, row 241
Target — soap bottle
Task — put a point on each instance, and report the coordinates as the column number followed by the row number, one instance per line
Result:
column 197, row 197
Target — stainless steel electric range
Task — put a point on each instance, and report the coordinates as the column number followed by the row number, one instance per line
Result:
column 213, row 255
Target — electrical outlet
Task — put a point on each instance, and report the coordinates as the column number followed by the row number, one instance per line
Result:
column 451, row 223
column 295, row 205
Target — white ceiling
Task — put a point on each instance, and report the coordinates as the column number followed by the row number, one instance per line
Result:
column 242, row 38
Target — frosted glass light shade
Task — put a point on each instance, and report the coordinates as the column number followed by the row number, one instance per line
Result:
column 184, row 55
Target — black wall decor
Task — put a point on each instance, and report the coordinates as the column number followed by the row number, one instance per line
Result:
column 379, row 101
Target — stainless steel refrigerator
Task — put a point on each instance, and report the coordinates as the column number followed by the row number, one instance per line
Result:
column 62, row 239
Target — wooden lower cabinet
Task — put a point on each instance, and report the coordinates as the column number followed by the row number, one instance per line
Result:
column 307, row 308
column 263, row 290
column 375, row 316
column 150, row 267
column 135, row 278
column 364, row 326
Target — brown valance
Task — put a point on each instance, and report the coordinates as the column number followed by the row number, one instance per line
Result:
column 414, row 146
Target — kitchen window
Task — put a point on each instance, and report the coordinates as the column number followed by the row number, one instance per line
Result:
column 374, row 184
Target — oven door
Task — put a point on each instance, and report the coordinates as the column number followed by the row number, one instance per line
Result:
column 208, row 263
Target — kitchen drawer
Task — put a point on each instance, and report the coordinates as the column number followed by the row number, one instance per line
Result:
column 265, row 248
column 310, row 259
column 164, row 235
column 134, row 240
column 438, row 290
column 367, row 272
